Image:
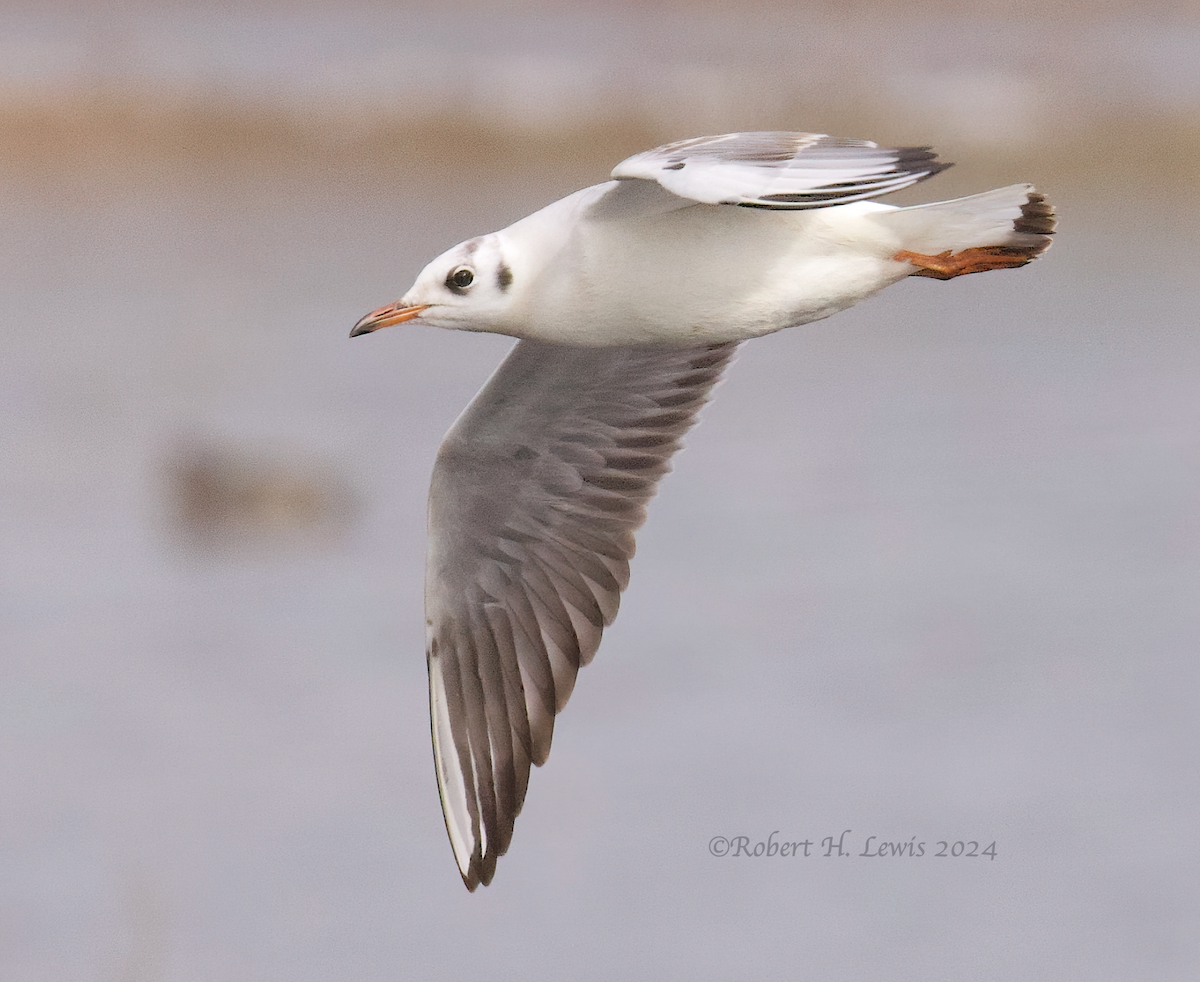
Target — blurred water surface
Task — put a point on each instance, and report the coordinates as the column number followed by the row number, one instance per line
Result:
column 929, row 568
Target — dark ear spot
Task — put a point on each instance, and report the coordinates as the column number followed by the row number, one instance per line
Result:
column 503, row 277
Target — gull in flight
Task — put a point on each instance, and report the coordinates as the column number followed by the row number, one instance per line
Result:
column 629, row 299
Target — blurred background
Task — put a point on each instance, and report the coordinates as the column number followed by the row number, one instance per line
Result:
column 928, row 569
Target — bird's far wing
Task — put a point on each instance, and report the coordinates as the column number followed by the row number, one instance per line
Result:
column 780, row 170
column 536, row 493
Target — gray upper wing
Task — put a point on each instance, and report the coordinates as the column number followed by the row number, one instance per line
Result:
column 780, row 170
column 536, row 493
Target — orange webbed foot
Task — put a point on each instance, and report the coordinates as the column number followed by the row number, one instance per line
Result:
column 947, row 265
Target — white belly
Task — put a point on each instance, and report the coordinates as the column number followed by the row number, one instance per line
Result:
column 708, row 273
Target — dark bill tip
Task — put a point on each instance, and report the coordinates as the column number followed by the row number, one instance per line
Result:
column 393, row 313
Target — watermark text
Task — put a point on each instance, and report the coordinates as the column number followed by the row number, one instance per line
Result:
column 845, row 844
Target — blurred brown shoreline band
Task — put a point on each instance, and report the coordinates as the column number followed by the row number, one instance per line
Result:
column 111, row 136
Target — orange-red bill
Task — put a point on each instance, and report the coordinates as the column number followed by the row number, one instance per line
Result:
column 393, row 313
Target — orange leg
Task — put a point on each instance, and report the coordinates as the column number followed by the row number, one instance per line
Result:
column 948, row 265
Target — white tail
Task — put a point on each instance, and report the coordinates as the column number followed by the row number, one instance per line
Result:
column 997, row 229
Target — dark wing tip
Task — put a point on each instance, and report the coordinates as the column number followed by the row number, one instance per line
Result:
column 920, row 158
column 481, row 871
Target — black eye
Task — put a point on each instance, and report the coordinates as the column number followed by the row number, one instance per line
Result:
column 460, row 278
